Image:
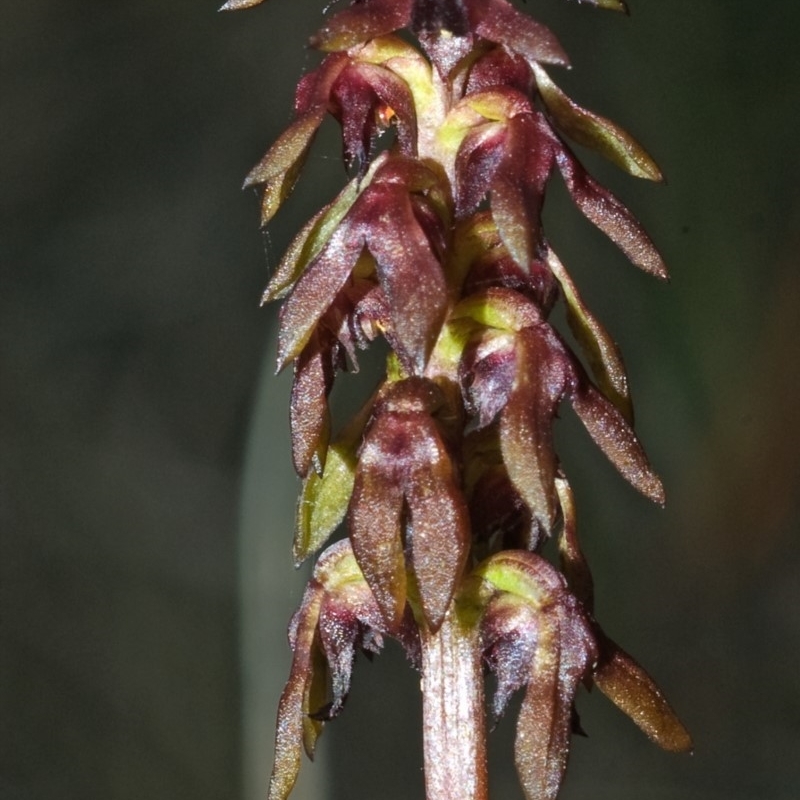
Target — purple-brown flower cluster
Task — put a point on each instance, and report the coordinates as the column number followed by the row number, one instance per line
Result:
column 447, row 477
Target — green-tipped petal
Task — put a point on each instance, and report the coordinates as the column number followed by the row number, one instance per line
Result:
column 308, row 243
column 278, row 171
column 602, row 353
column 595, row 132
column 634, row 692
column 610, row 5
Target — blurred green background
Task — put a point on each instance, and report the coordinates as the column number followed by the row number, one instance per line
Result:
column 145, row 494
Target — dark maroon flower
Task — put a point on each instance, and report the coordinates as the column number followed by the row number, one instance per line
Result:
column 406, row 497
column 518, row 370
column 535, row 634
column 337, row 617
column 389, row 220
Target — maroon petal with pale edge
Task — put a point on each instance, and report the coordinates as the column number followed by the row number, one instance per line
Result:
column 376, row 517
column 359, row 23
column 498, row 21
column 498, row 68
column 308, row 410
column 405, row 478
column 605, row 211
column 409, row 272
column 508, row 639
column 519, row 184
column 541, row 746
column 516, row 214
column 565, row 649
column 438, row 521
column 478, row 157
column 293, row 707
column 348, row 619
column 526, row 425
column 317, row 289
column 314, row 88
column 616, row 439
column 635, row 693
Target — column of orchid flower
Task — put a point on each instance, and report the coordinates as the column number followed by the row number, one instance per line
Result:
column 447, row 477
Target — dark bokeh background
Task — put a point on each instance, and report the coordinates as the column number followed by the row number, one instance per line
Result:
column 131, row 345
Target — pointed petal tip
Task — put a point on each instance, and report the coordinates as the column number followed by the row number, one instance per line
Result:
column 650, row 485
column 235, row 5
column 660, row 495
column 612, row 5
column 625, row 682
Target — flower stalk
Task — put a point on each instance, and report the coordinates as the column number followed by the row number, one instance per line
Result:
column 454, row 729
column 447, row 478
